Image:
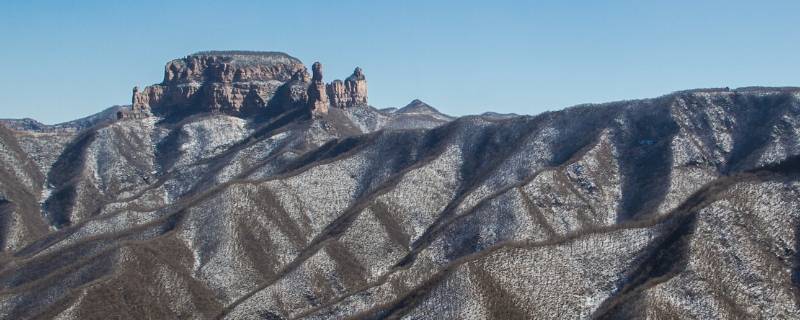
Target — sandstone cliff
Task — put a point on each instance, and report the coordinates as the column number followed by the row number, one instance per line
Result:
column 231, row 82
column 350, row 92
column 244, row 83
column 317, row 94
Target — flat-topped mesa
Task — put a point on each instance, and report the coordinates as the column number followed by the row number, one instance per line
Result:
column 231, row 82
column 350, row 92
column 232, row 66
column 243, row 83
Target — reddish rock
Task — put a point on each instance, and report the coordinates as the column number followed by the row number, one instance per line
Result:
column 244, row 83
column 317, row 91
column 219, row 81
column 349, row 93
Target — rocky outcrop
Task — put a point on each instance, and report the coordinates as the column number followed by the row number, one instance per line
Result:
column 231, row 82
column 244, row 83
column 139, row 107
column 232, row 67
column 293, row 94
column 317, row 94
column 350, row 92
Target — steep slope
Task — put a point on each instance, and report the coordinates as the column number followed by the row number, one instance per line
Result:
column 20, row 189
column 679, row 205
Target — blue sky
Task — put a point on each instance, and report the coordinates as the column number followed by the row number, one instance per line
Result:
column 66, row 59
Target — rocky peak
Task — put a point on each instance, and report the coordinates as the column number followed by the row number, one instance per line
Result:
column 417, row 106
column 316, row 70
column 358, row 74
column 351, row 92
column 317, row 93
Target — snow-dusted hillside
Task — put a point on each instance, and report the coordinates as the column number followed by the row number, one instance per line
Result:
column 679, row 206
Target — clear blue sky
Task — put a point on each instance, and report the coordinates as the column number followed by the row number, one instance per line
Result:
column 65, row 59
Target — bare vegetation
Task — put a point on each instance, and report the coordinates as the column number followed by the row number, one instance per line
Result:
column 682, row 206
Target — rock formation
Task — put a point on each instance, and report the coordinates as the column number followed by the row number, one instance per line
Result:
column 350, row 92
column 317, row 93
column 231, row 82
column 293, row 94
column 243, row 83
column 138, row 109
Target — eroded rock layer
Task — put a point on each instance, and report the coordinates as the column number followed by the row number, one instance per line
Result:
column 243, row 83
column 350, row 92
column 230, row 82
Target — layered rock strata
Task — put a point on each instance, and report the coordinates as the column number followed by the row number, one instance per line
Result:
column 230, row 82
column 243, row 83
column 350, row 92
column 317, row 93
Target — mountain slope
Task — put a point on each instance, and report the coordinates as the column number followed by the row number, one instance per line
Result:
column 682, row 205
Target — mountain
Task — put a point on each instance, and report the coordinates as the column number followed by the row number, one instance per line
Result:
column 495, row 115
column 417, row 106
column 244, row 187
column 32, row 125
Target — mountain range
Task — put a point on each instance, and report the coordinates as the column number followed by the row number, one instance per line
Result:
column 244, row 186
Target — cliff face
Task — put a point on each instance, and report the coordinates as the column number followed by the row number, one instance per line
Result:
column 232, row 67
column 317, row 95
column 242, row 84
column 350, row 92
column 218, row 81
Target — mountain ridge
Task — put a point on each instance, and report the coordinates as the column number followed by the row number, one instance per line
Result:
column 30, row 124
column 615, row 210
